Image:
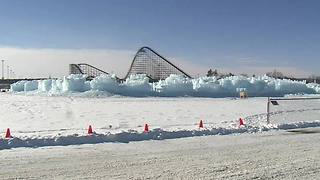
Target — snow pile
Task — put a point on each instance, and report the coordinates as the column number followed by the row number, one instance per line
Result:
column 133, row 135
column 174, row 85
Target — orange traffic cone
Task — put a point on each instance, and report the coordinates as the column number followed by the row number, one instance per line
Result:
column 241, row 122
column 146, row 128
column 201, row 124
column 90, row 131
column 8, row 134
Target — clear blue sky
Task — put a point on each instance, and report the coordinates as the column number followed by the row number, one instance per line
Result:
column 224, row 33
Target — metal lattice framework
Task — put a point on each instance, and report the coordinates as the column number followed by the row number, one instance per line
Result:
column 146, row 61
column 87, row 69
column 156, row 67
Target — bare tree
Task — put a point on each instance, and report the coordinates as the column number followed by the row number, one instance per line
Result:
column 275, row 74
column 212, row 73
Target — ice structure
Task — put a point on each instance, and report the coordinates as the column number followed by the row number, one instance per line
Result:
column 173, row 86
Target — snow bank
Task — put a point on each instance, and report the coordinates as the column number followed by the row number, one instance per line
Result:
column 175, row 85
column 132, row 135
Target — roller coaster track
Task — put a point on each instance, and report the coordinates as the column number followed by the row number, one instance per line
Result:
column 86, row 69
column 146, row 61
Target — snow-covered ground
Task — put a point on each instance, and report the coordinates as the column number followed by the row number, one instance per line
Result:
column 268, row 155
column 47, row 120
column 174, row 148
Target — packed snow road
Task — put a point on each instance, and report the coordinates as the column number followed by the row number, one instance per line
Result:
column 274, row 154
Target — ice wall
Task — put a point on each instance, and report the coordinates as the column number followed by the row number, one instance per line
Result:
column 173, row 86
column 18, row 86
column 105, row 83
column 31, row 85
column 136, row 85
column 75, row 83
column 45, row 85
